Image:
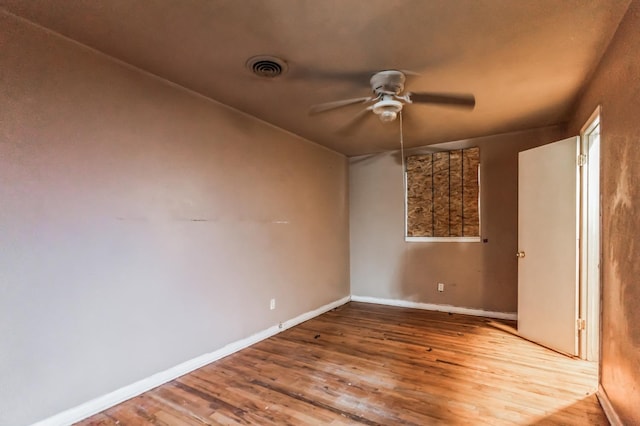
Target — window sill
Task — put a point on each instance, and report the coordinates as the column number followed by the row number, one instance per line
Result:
column 442, row 239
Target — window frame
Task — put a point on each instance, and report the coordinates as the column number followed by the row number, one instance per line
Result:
column 468, row 239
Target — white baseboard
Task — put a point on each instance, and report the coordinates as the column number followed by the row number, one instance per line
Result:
column 99, row 404
column 435, row 307
column 608, row 409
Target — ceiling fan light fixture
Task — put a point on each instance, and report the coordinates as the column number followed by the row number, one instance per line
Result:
column 387, row 109
column 388, row 116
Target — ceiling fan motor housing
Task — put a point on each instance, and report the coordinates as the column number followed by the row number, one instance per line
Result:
column 387, row 82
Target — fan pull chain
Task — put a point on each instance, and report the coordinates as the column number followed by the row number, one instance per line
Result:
column 402, row 144
column 404, row 174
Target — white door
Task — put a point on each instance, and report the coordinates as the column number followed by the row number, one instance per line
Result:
column 548, row 245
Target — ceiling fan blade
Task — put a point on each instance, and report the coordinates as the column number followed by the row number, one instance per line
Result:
column 355, row 122
column 350, row 76
column 300, row 73
column 409, row 73
column 316, row 109
column 457, row 100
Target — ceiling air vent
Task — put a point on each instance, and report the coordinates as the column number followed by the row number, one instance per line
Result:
column 267, row 66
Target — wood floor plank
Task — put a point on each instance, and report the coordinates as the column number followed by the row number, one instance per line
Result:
column 370, row 364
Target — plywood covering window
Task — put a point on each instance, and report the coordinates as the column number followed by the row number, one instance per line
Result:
column 443, row 191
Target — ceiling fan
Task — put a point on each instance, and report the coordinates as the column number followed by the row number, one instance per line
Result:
column 388, row 99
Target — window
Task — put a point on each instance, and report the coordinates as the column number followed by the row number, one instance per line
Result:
column 443, row 194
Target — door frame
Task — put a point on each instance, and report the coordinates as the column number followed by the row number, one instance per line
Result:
column 590, row 292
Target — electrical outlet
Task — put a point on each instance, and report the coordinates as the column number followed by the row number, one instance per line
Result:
column 440, row 286
column 272, row 304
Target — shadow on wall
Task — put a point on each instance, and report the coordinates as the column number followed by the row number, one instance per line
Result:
column 475, row 275
column 480, row 275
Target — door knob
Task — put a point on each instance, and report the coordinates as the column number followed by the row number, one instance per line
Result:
column 520, row 254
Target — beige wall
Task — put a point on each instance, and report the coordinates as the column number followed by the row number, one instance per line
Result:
column 616, row 87
column 476, row 275
column 142, row 225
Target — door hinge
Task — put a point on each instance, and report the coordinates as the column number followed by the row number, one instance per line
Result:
column 582, row 160
column 582, row 324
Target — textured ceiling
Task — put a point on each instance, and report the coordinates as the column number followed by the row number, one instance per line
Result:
column 525, row 60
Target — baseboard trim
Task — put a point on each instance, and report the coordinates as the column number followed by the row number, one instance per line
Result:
column 608, row 409
column 436, row 307
column 101, row 403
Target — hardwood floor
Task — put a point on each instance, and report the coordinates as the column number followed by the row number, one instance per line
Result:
column 371, row 364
